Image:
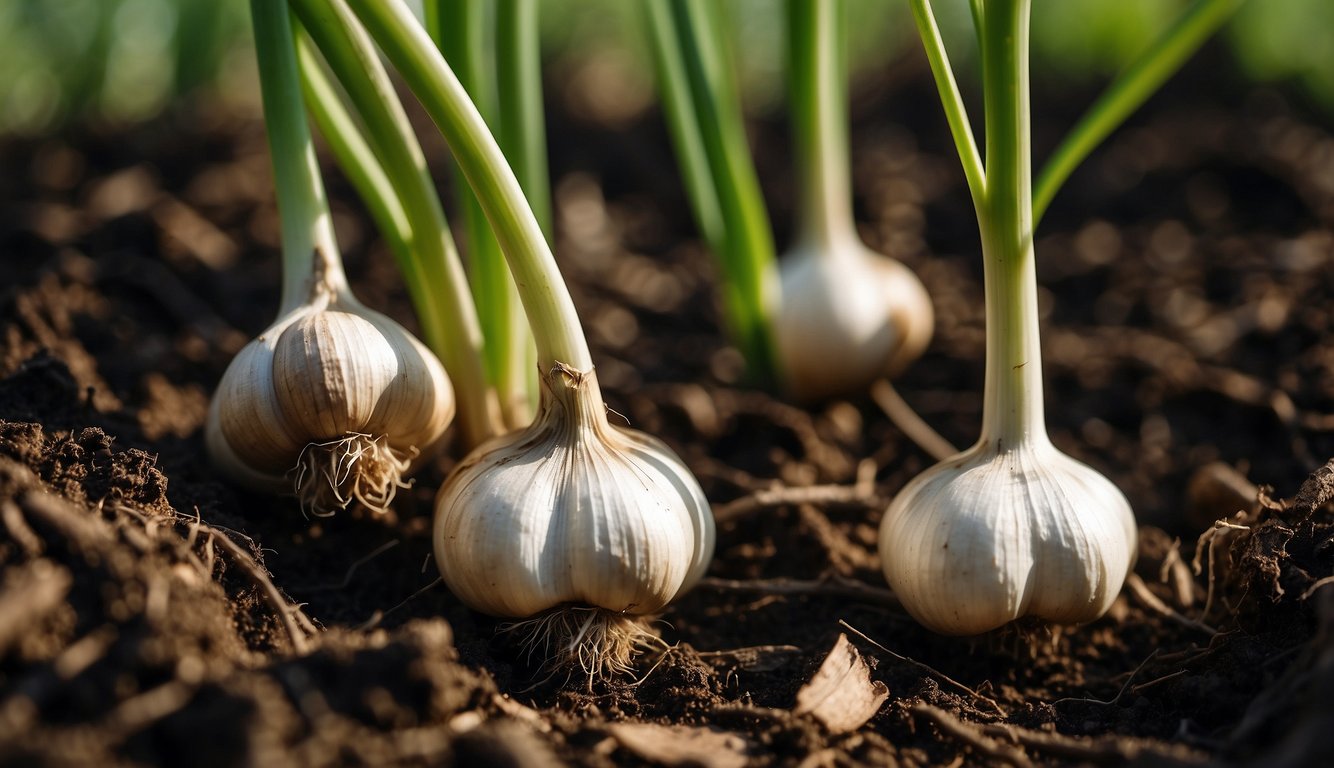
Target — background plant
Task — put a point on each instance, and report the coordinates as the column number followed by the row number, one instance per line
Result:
column 57, row 64
column 1013, row 527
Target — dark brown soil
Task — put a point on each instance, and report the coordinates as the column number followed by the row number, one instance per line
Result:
column 151, row 613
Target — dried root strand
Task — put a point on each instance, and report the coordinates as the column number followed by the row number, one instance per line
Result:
column 329, row 476
column 600, row 643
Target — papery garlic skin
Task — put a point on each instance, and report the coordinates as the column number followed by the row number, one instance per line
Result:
column 998, row 533
column 848, row 316
column 572, row 511
column 328, row 371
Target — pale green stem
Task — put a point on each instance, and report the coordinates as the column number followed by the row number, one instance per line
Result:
column 358, row 162
column 551, row 313
column 975, row 7
column 310, row 253
column 748, row 257
column 683, row 123
column 450, row 317
column 523, row 138
column 819, row 106
column 955, row 112
column 522, row 123
column 1012, row 411
column 460, row 30
column 703, row 111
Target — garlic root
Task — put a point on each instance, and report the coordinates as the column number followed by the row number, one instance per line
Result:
column 600, row 643
column 333, row 474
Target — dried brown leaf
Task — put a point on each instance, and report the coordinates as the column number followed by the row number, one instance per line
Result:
column 842, row 694
column 682, row 745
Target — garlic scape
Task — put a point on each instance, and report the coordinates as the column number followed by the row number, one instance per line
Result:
column 1010, row 527
column 848, row 315
column 579, row 526
column 334, row 401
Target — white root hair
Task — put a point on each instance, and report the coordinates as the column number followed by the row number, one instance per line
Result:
column 599, row 642
column 329, row 476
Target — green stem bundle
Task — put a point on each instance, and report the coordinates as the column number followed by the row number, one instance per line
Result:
column 433, row 273
column 463, row 33
column 355, row 157
column 704, row 112
column 555, row 324
column 522, row 129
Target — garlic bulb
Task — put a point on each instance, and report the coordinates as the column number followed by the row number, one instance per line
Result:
column 334, row 401
column 1011, row 527
column 571, row 513
column 997, row 533
column 587, row 525
column 848, row 316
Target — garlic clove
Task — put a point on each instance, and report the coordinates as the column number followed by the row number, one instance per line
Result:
column 571, row 510
column 317, row 391
column 246, row 418
column 395, row 389
column 990, row 536
column 847, row 318
column 411, row 414
column 334, row 401
column 221, row 453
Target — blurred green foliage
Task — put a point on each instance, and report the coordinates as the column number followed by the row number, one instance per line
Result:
column 117, row 60
column 1288, row 40
column 127, row 60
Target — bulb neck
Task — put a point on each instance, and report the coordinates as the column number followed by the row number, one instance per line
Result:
column 572, row 399
column 311, row 266
column 316, row 280
column 1012, row 412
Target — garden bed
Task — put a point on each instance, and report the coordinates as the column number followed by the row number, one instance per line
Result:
column 151, row 613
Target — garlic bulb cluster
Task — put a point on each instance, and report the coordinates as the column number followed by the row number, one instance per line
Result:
column 848, row 317
column 1001, row 532
column 572, row 512
column 334, row 401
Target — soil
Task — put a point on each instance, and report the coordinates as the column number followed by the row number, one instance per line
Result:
column 153, row 613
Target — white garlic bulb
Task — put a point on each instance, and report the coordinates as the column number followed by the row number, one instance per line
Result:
column 848, row 317
column 1011, row 527
column 334, row 401
column 572, row 512
column 997, row 533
